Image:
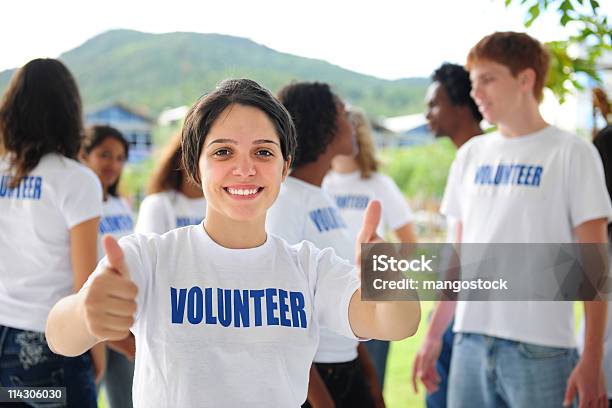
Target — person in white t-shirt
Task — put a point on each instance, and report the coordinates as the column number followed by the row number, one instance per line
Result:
column 342, row 372
column 225, row 314
column 529, row 182
column 172, row 200
column 50, row 207
column 603, row 143
column 451, row 112
column 105, row 151
column 353, row 182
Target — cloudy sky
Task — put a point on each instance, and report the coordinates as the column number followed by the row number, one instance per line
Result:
column 386, row 38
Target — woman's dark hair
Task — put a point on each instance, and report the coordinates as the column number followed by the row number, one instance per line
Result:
column 168, row 174
column 96, row 135
column 40, row 113
column 603, row 143
column 207, row 109
column 456, row 82
column 312, row 106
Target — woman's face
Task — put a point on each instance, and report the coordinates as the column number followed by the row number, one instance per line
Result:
column 106, row 160
column 241, row 164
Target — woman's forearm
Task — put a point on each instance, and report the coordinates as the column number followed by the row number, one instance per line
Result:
column 66, row 329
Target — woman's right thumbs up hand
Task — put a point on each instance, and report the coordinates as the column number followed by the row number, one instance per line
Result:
column 109, row 304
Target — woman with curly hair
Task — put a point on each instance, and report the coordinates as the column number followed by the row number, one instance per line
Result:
column 342, row 371
column 353, row 182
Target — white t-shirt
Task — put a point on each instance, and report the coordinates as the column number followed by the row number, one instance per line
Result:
column 531, row 189
column 219, row 327
column 35, row 222
column 161, row 212
column 301, row 212
column 116, row 220
column 353, row 193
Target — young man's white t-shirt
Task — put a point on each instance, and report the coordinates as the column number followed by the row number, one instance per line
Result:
column 531, row 189
column 219, row 327
column 301, row 212
column 161, row 212
column 35, row 222
column 352, row 194
column 116, row 220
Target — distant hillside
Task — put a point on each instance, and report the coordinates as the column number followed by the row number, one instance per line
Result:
column 155, row 71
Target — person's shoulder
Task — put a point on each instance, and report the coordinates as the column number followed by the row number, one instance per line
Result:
column 300, row 194
column 569, row 142
column 65, row 167
column 380, row 178
column 474, row 144
column 66, row 176
column 153, row 242
column 303, row 253
column 119, row 203
column 156, row 199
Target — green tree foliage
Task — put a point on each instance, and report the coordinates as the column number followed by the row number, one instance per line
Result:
column 592, row 34
column 420, row 171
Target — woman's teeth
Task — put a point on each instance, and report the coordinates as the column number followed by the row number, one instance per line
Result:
column 236, row 191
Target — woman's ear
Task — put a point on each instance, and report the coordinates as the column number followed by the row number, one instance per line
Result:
column 286, row 167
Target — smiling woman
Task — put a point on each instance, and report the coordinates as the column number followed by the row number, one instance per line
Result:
column 223, row 313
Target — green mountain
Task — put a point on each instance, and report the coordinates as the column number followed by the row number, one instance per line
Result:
column 152, row 72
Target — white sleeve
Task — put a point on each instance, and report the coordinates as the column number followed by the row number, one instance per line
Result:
column 395, row 208
column 153, row 215
column 336, row 282
column 588, row 194
column 83, row 200
column 137, row 262
column 451, row 201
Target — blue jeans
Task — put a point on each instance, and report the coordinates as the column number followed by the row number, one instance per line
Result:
column 27, row 361
column 438, row 399
column 118, row 379
column 378, row 350
column 493, row 372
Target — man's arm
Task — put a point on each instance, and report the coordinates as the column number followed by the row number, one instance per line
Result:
column 587, row 378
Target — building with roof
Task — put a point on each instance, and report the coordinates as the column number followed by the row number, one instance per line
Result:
column 135, row 126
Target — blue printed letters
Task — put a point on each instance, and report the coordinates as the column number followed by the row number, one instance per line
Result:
column 238, row 307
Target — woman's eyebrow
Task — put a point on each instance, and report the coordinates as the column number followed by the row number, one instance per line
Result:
column 262, row 141
column 232, row 141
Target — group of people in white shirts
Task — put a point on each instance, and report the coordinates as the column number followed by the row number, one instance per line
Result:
column 240, row 285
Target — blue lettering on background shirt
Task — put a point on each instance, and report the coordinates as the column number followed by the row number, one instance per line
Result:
column 509, row 174
column 359, row 202
column 326, row 219
column 115, row 223
column 29, row 188
column 185, row 221
column 233, row 307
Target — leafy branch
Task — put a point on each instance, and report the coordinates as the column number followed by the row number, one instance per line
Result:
column 593, row 38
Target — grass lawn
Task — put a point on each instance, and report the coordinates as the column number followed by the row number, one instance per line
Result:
column 398, row 391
